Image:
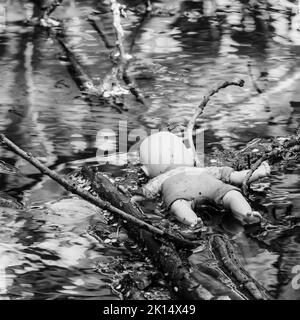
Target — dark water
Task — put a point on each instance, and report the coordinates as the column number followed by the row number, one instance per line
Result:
column 47, row 250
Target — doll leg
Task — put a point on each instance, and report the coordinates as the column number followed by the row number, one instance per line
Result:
column 182, row 209
column 238, row 205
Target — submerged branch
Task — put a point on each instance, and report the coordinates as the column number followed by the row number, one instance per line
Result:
column 97, row 25
column 231, row 262
column 85, row 80
column 199, row 110
column 122, row 59
column 116, row 11
column 50, row 9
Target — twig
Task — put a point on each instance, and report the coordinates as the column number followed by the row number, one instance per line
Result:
column 72, row 187
column 129, row 80
column 199, row 110
column 229, row 259
column 255, row 166
column 85, row 81
column 256, row 87
column 116, row 8
column 123, row 61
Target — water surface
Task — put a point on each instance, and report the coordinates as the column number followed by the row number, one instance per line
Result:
column 47, row 250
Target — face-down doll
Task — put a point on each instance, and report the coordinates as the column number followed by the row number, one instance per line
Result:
column 170, row 165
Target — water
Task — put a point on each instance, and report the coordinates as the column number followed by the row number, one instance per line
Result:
column 47, row 250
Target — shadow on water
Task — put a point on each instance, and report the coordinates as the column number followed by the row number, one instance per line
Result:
column 47, row 249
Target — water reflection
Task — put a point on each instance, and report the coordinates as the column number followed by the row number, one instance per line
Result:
column 46, row 249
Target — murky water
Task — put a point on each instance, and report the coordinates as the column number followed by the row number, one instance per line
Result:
column 47, row 250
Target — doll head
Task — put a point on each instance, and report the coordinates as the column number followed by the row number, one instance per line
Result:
column 163, row 151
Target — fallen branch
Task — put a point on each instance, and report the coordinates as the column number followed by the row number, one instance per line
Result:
column 116, row 10
column 72, row 187
column 86, row 82
column 199, row 110
column 123, row 60
column 231, row 262
column 95, row 24
column 128, row 79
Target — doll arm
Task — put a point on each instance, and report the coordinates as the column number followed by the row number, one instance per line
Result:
column 228, row 175
column 238, row 177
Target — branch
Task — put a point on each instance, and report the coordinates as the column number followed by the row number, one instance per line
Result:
column 85, row 81
column 95, row 24
column 255, row 166
column 199, row 110
column 116, row 9
column 122, row 62
column 72, row 187
column 233, row 265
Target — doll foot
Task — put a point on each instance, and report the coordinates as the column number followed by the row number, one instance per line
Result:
column 253, row 217
column 198, row 224
column 262, row 171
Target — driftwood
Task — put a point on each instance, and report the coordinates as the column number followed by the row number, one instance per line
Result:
column 85, row 82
